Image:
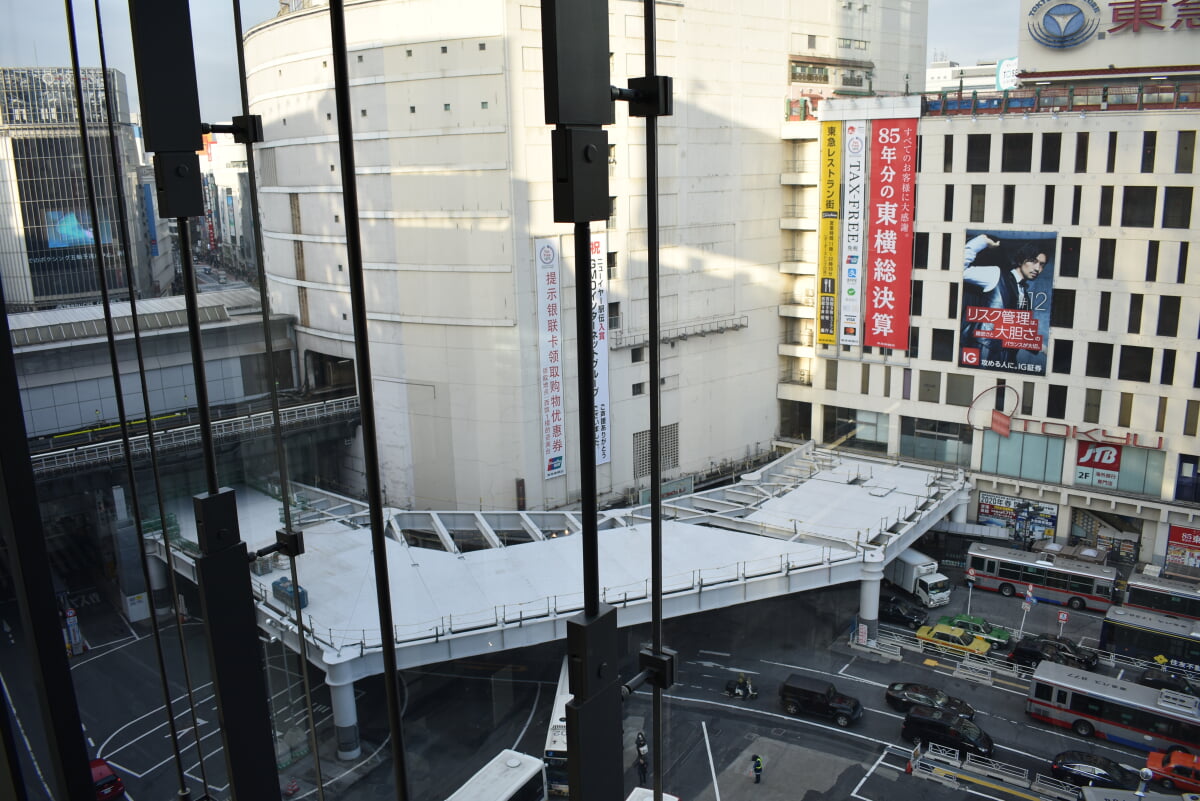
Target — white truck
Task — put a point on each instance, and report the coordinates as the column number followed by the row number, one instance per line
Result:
column 917, row 574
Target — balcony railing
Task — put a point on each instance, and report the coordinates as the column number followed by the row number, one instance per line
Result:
column 633, row 338
column 1154, row 95
column 800, row 165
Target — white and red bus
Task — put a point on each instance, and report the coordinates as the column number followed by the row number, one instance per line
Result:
column 1046, row 577
column 1166, row 596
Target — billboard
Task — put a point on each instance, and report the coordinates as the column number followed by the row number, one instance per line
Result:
column 1008, row 283
column 1027, row 520
column 1183, row 550
column 1097, row 464
column 854, row 228
column 890, row 245
column 549, row 294
column 831, row 205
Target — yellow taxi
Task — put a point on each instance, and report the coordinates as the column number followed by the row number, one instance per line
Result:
column 954, row 638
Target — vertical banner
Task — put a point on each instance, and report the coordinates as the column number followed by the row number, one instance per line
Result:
column 831, row 213
column 598, row 250
column 1008, row 283
column 854, row 229
column 889, row 255
column 550, row 350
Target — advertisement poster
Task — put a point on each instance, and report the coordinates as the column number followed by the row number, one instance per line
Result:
column 890, row 246
column 1097, row 464
column 550, row 344
column 854, row 229
column 1183, row 551
column 1026, row 520
column 831, row 205
column 598, row 250
column 1008, row 285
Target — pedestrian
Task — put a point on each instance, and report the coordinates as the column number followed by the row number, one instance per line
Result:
column 642, row 748
column 643, row 769
column 757, row 768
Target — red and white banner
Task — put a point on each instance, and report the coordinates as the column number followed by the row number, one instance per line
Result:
column 889, row 246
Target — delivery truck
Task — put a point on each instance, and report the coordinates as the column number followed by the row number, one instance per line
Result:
column 919, row 576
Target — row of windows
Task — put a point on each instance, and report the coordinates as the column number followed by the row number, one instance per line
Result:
column 1166, row 317
column 1139, row 205
column 1016, row 152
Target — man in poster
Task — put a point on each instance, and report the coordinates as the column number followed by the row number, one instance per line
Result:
column 1006, row 302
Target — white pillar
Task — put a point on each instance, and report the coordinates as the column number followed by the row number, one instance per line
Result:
column 345, row 715
column 959, row 513
column 868, row 593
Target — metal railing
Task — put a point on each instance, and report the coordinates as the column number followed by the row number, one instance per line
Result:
column 634, row 337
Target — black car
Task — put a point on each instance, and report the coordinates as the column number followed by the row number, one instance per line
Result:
column 1089, row 770
column 924, row 724
column 1033, row 650
column 1161, row 679
column 1083, row 657
column 893, row 609
column 807, row 695
column 902, row 696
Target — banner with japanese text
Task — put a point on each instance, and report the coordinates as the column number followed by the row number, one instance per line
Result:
column 831, row 214
column 598, row 250
column 1008, row 284
column 1183, row 551
column 550, row 347
column 854, row 229
column 890, row 215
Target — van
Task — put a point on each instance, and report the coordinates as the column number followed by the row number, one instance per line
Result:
column 925, row 724
column 804, row 695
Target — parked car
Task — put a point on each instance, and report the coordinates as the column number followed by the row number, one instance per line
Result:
column 924, row 724
column 979, row 627
column 1175, row 770
column 1032, row 650
column 951, row 637
column 902, row 696
column 808, row 695
column 108, row 783
column 893, row 609
column 1084, row 657
column 1161, row 679
column 1091, row 770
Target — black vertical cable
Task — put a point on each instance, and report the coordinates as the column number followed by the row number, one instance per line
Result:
column 122, row 215
column 652, row 266
column 584, row 355
column 264, row 300
column 362, row 352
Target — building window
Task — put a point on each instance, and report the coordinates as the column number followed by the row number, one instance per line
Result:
column 1137, row 206
column 483, row 45
column 360, row 59
column 1063, row 350
column 978, row 202
column 930, row 389
column 1062, row 311
column 612, row 265
column 1016, row 152
column 1091, row 406
column 1149, row 141
column 1076, row 202
column 639, row 388
column 920, row 250
column 444, row 48
column 960, row 389
column 362, row 112
column 1048, row 205
column 1106, row 205
column 917, row 301
column 1168, row 316
column 1010, row 202
column 979, row 152
column 1160, row 421
column 812, row 42
column 1068, row 259
column 612, row 213
column 1185, row 151
column 1125, row 413
column 1081, row 151
column 1110, row 163
column 1051, row 151
column 445, row 107
column 1177, row 207
column 948, row 203
column 948, row 153
column 864, row 379
column 1135, row 314
column 943, row 345
column 614, row 315
column 936, row 441
column 668, row 453
column 408, row 53
column 945, row 256
column 1166, row 375
column 1106, row 258
column 856, row 428
column 1152, row 260
column 831, row 374
column 483, row 104
column 637, row 355
column 412, row 109
column 1135, row 363
column 1099, row 360
column 1181, row 267
column 1027, row 394
column 952, row 308
column 1056, row 402
column 1105, row 308
column 1190, row 416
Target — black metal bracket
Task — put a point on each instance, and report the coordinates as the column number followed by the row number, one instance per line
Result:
column 651, row 96
column 658, row 669
column 246, row 128
column 287, row 542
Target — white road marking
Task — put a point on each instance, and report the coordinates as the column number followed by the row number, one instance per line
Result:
column 714, row 653
column 711, row 766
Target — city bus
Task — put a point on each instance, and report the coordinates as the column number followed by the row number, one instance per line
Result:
column 1092, row 705
column 555, row 754
column 509, row 776
column 1168, row 596
column 1052, row 579
column 1170, row 641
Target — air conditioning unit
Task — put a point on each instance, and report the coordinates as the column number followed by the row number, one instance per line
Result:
column 804, row 376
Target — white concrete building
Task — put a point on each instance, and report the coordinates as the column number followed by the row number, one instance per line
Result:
column 453, row 162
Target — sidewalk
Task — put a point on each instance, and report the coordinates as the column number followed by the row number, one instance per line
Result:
column 790, row 773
